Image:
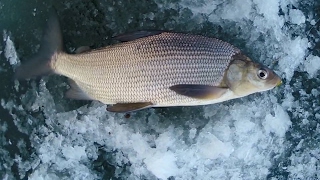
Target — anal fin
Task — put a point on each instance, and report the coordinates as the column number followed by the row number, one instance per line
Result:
column 75, row 92
column 205, row 92
column 128, row 107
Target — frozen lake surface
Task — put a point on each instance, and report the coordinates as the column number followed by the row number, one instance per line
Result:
column 269, row 135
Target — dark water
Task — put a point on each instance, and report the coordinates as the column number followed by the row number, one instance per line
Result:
column 42, row 133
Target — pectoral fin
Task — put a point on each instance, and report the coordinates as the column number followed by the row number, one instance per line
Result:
column 136, row 35
column 127, row 107
column 199, row 91
column 75, row 92
column 82, row 49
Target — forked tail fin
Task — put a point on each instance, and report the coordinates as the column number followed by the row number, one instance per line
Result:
column 51, row 43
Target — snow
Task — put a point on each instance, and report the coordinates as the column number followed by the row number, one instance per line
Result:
column 234, row 140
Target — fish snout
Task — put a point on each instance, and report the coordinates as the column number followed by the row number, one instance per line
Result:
column 276, row 80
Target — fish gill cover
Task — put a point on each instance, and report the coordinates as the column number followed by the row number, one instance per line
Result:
column 270, row 135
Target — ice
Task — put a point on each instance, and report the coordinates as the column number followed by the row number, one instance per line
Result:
column 5, row 167
column 296, row 50
column 238, row 10
column 240, row 139
column 10, row 51
column 225, row 142
column 269, row 10
column 297, row 16
column 304, row 164
column 273, row 125
column 213, row 148
column 162, row 165
column 267, row 21
column 312, row 65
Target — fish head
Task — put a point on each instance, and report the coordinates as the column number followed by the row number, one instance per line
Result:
column 246, row 77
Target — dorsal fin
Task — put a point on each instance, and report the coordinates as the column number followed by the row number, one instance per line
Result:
column 136, row 35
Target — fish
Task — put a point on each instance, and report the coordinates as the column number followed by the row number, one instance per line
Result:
column 150, row 69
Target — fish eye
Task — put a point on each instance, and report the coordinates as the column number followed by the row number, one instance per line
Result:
column 262, row 73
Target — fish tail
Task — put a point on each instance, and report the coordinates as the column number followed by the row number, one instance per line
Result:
column 40, row 64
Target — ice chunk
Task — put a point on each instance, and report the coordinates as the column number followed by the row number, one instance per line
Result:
column 192, row 133
column 304, row 163
column 47, row 152
column 312, row 65
column 43, row 173
column 10, row 51
column 277, row 123
column 213, row 148
column 269, row 9
column 237, row 10
column 296, row 16
column 74, row 153
column 162, row 165
column 198, row 7
column 296, row 50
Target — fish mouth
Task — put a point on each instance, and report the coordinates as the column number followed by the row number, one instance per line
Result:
column 276, row 81
column 279, row 83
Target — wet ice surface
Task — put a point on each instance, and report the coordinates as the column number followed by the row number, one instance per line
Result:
column 268, row 135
